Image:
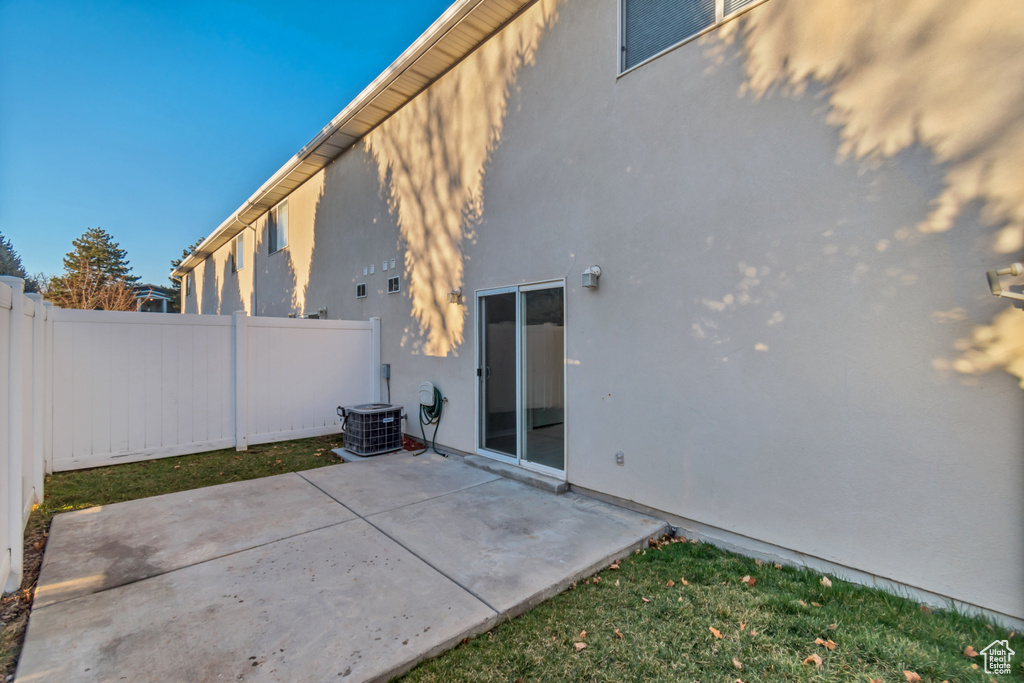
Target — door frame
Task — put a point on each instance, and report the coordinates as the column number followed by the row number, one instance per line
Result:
column 519, row 460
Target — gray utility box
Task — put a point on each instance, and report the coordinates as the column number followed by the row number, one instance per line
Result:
column 372, row 428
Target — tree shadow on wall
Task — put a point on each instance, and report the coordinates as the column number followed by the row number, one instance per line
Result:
column 431, row 159
column 938, row 75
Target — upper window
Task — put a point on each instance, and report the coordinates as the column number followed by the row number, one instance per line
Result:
column 238, row 252
column 189, row 278
column 649, row 27
column 277, row 230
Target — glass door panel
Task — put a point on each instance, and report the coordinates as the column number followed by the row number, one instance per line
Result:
column 543, row 376
column 498, row 373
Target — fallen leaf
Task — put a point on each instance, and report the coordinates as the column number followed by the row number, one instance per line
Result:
column 974, row 666
column 816, row 604
column 619, row 633
column 911, row 677
column 825, row 643
column 645, row 599
column 680, row 599
column 670, row 583
column 742, row 626
column 926, row 609
column 876, row 680
column 778, row 566
column 615, row 565
column 736, row 663
column 989, row 627
column 597, row 579
column 579, row 646
column 753, row 631
column 177, row 467
column 1012, row 634
column 693, row 541
column 826, row 582
column 616, row 582
column 803, row 603
column 715, row 632
column 970, row 652
column 813, row 659
column 758, row 562
column 583, row 634
column 684, row 581
column 749, row 581
column 833, row 626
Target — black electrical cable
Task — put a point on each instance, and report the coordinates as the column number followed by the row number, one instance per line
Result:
column 387, row 380
column 431, row 415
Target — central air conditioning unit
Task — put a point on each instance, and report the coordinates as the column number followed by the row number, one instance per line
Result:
column 372, row 428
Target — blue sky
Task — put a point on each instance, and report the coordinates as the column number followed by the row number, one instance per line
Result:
column 155, row 120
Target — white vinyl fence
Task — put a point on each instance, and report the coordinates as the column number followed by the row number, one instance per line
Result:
column 90, row 388
column 23, row 399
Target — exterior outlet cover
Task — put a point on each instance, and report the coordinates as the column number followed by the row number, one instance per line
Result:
column 620, row 458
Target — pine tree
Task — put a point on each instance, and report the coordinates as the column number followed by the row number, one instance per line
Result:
column 96, row 275
column 98, row 248
column 10, row 264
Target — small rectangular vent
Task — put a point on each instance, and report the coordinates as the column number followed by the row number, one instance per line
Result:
column 361, row 290
column 394, row 285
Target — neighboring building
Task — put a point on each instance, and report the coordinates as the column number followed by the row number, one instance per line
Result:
column 791, row 348
column 153, row 299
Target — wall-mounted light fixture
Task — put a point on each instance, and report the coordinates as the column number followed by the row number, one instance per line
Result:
column 590, row 276
column 455, row 296
column 996, row 287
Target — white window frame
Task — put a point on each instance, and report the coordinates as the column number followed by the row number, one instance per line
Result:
column 274, row 227
column 238, row 252
column 720, row 19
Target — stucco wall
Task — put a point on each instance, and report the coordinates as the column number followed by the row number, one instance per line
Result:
column 792, row 339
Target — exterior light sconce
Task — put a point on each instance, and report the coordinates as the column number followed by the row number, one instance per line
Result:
column 590, row 276
column 994, row 285
column 455, row 296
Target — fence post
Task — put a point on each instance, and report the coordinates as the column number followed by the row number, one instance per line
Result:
column 48, row 388
column 241, row 381
column 15, row 529
column 38, row 356
column 375, row 358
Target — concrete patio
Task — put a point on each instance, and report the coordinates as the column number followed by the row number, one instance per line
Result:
column 354, row 572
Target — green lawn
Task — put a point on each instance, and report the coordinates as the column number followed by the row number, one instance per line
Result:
column 652, row 620
column 64, row 491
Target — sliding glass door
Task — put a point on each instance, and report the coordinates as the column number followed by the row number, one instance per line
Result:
column 521, row 372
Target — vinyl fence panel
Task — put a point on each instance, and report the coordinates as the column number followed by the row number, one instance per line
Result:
column 132, row 386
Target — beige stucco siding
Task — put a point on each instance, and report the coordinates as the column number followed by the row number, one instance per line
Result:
column 792, row 340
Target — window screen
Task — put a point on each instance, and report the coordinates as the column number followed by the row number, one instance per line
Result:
column 277, row 237
column 736, row 5
column 650, row 26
